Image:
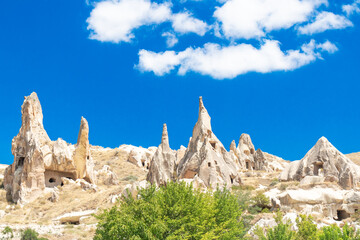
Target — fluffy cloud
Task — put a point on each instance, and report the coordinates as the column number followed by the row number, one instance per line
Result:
column 327, row 47
column 114, row 20
column 350, row 9
column 253, row 18
column 228, row 62
column 184, row 23
column 325, row 21
column 171, row 39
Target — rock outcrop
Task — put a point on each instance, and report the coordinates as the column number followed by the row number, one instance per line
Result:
column 206, row 157
column 40, row 162
column 248, row 159
column 138, row 155
column 162, row 167
column 326, row 161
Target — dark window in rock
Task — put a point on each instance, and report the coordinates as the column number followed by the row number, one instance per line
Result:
column 342, row 214
column 213, row 145
column 143, row 164
column 209, row 164
column 21, row 161
column 247, row 165
column 215, row 162
column 252, row 151
column 232, row 180
column 318, row 167
column 88, row 157
column 52, row 180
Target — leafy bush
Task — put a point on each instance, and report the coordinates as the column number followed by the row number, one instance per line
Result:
column 261, row 201
column 30, row 234
column 8, row 233
column 333, row 232
column 282, row 231
column 174, row 211
column 307, row 229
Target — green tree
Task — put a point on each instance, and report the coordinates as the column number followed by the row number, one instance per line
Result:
column 174, row 211
column 307, row 229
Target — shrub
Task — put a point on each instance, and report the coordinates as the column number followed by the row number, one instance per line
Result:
column 30, row 234
column 307, row 229
column 174, row 211
column 261, row 200
column 8, row 232
column 280, row 232
column 333, row 232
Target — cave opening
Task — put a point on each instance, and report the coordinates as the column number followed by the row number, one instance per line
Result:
column 341, row 215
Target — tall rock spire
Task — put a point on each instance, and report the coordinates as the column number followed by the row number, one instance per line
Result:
column 162, row 166
column 206, row 156
column 82, row 157
column 165, row 138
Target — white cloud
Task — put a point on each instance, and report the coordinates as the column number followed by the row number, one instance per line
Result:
column 327, row 47
column 253, row 18
column 185, row 23
column 114, row 20
column 325, row 21
column 228, row 62
column 350, row 9
column 171, row 39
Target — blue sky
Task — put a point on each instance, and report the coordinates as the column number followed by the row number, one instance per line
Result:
column 286, row 72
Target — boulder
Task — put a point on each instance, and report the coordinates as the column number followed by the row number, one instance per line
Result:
column 40, row 162
column 162, row 167
column 206, row 156
column 74, row 217
column 324, row 160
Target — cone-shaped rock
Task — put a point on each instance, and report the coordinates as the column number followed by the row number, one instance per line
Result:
column 206, row 157
column 38, row 161
column 162, row 166
column 326, row 161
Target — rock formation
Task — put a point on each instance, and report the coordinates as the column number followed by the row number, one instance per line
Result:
column 206, row 157
column 162, row 167
column 40, row 162
column 138, row 155
column 248, row 159
column 326, row 161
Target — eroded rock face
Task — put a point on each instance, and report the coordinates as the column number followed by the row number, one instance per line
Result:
column 162, row 167
column 248, row 159
column 40, row 162
column 206, row 157
column 326, row 161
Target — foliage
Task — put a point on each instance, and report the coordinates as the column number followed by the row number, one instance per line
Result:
column 174, row 211
column 30, row 234
column 8, row 233
column 307, row 229
column 333, row 232
column 282, row 231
